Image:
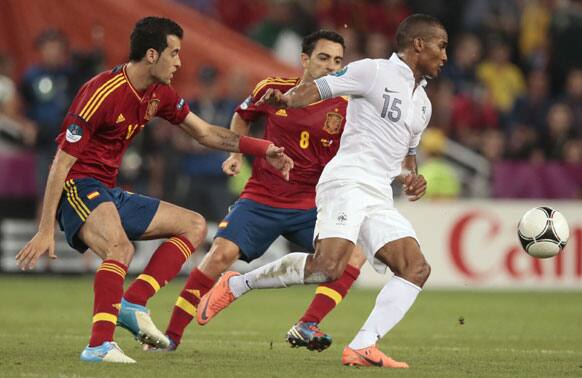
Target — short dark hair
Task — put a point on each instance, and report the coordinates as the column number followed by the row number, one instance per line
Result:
column 152, row 33
column 415, row 26
column 309, row 42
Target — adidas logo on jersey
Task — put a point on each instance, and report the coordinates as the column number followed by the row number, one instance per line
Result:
column 120, row 118
column 281, row 112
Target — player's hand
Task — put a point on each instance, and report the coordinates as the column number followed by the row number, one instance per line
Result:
column 278, row 159
column 35, row 248
column 274, row 97
column 232, row 165
column 414, row 186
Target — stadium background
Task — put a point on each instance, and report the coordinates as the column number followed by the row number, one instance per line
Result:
column 506, row 131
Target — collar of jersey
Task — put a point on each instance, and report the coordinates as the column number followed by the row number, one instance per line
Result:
column 135, row 92
column 395, row 59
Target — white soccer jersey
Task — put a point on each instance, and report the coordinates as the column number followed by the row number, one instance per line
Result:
column 385, row 119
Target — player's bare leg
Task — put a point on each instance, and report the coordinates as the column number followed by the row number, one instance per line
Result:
column 104, row 234
column 185, row 230
column 411, row 271
column 306, row 332
column 221, row 256
column 326, row 264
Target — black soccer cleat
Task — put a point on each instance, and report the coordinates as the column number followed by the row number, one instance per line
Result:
column 308, row 334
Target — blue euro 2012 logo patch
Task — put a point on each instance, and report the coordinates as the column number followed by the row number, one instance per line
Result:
column 180, row 104
column 340, row 72
column 74, row 133
column 246, row 103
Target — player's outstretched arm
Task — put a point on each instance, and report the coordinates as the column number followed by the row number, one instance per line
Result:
column 222, row 139
column 44, row 240
column 232, row 165
column 298, row 97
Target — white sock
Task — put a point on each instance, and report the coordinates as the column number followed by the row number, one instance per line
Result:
column 284, row 272
column 394, row 300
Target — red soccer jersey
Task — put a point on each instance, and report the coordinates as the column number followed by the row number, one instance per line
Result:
column 311, row 137
column 106, row 114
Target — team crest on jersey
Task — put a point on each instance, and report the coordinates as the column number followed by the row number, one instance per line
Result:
column 74, row 133
column 152, row 109
column 333, row 123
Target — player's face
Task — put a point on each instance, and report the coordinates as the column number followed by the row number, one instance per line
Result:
column 327, row 57
column 168, row 61
column 434, row 53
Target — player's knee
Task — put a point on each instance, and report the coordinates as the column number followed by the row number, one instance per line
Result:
column 221, row 256
column 425, row 273
column 418, row 272
column 195, row 228
column 357, row 258
column 121, row 250
column 222, row 259
column 332, row 270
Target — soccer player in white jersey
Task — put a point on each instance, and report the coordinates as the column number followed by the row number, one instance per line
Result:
column 386, row 116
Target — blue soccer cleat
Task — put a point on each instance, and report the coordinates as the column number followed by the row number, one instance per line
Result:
column 136, row 319
column 109, row 351
column 308, row 334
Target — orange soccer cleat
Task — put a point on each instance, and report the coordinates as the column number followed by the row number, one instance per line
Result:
column 216, row 300
column 370, row 356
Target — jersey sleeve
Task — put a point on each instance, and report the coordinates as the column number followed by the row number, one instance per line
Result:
column 174, row 108
column 247, row 110
column 355, row 79
column 81, row 121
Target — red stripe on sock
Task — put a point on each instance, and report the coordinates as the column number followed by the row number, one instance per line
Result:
column 108, row 290
column 321, row 305
column 180, row 319
column 163, row 266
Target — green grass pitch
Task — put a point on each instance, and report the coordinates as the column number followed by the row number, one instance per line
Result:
column 45, row 321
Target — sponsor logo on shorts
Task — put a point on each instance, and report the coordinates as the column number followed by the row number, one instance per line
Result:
column 74, row 133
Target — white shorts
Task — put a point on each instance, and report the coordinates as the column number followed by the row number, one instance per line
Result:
column 359, row 213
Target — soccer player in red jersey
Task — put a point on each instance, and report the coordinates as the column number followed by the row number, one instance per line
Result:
column 269, row 206
column 106, row 114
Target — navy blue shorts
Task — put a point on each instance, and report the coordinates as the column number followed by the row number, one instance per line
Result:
column 81, row 196
column 253, row 227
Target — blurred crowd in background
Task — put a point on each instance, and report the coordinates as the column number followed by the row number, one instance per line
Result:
column 507, row 108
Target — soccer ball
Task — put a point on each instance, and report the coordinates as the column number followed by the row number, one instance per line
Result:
column 543, row 232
